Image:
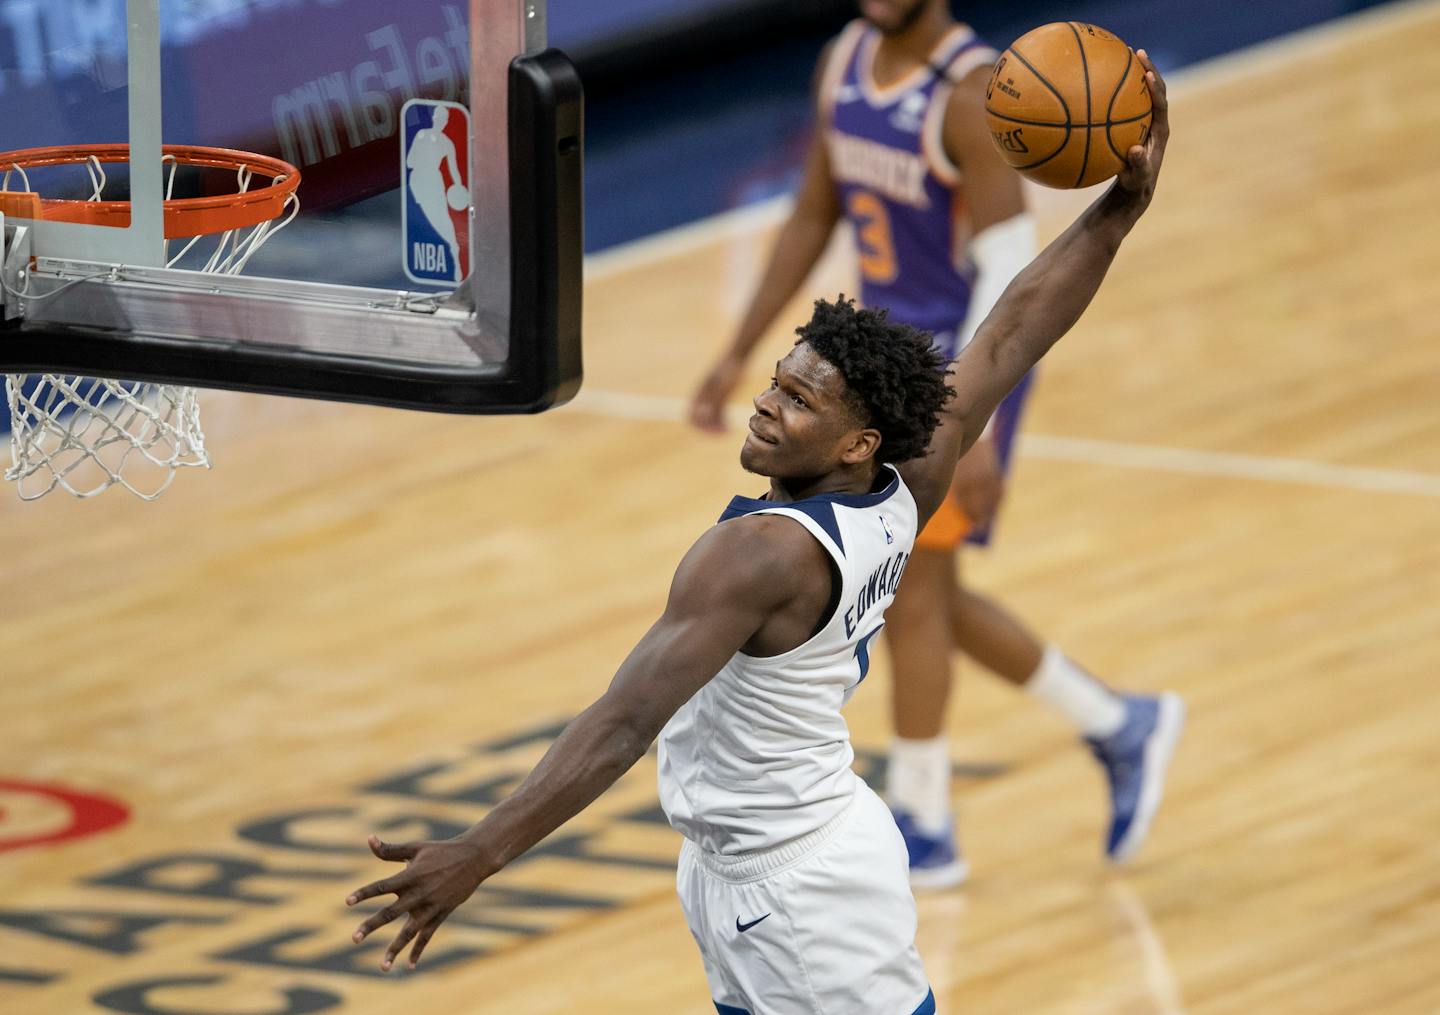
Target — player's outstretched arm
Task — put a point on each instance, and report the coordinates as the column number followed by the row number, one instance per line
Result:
column 1043, row 302
column 801, row 241
column 734, row 578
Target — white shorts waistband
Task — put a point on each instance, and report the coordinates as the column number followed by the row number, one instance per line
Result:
column 741, row 867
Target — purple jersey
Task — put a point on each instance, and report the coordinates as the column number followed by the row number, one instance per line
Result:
column 900, row 191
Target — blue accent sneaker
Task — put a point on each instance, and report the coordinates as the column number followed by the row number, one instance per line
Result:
column 935, row 860
column 1136, row 757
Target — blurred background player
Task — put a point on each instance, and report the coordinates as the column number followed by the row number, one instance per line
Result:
column 902, row 151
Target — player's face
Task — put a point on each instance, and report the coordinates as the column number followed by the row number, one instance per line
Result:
column 892, row 16
column 802, row 424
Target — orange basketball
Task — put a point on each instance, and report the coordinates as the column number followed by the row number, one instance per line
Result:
column 1066, row 102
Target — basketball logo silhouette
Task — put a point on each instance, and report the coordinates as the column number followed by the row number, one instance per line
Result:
column 1065, row 103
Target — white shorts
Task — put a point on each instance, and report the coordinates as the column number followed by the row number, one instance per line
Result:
column 823, row 925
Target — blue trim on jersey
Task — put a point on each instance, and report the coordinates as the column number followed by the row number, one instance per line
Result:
column 822, row 514
column 820, row 508
column 730, row 1009
column 862, row 654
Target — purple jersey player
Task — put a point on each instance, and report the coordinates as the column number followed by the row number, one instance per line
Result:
column 901, row 151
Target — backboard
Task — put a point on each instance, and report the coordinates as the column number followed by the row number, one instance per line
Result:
column 458, row 98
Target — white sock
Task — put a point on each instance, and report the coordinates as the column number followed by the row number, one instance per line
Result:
column 1090, row 705
column 918, row 781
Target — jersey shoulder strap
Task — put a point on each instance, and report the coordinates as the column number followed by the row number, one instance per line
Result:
column 818, row 518
column 966, row 52
column 837, row 64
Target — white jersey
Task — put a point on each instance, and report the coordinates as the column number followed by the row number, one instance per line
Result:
column 761, row 754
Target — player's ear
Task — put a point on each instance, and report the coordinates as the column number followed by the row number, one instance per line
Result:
column 862, row 446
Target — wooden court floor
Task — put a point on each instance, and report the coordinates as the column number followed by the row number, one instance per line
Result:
column 369, row 620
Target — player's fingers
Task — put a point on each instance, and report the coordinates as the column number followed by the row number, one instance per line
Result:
column 385, row 886
column 426, row 933
column 398, row 945
column 1151, row 69
column 378, row 920
column 391, row 851
column 709, row 415
column 1159, row 106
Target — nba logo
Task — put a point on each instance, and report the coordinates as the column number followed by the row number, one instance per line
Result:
column 435, row 179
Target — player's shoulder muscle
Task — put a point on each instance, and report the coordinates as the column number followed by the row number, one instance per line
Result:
column 763, row 558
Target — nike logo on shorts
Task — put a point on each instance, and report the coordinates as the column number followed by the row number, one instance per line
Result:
column 743, row 927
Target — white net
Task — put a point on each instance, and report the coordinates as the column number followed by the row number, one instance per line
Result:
column 85, row 434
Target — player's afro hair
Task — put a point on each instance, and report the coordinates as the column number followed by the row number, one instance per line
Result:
column 895, row 376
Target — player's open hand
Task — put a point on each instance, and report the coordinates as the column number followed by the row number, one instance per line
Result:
column 1142, row 162
column 438, row 877
column 707, row 407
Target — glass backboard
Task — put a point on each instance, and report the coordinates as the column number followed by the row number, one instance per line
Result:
column 446, row 128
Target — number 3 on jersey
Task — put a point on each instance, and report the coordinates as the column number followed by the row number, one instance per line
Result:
column 872, row 233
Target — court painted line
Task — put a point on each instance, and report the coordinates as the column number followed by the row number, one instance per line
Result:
column 1084, row 450
column 684, row 239
column 1230, row 466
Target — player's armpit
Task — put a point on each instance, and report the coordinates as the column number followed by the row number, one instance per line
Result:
column 929, row 477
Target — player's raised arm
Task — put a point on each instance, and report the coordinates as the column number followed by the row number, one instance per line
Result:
column 735, row 577
column 802, row 239
column 1041, row 305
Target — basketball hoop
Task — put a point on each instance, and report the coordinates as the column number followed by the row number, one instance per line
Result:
column 83, row 434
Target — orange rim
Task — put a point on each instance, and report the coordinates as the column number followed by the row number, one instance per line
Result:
column 184, row 216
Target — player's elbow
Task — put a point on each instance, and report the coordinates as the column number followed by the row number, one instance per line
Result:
column 627, row 727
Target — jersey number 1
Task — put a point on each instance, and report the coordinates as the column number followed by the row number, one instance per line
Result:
column 877, row 243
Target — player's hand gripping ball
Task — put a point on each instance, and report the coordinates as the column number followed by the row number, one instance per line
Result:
column 1065, row 103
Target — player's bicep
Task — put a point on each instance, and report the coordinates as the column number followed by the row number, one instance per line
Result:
column 723, row 591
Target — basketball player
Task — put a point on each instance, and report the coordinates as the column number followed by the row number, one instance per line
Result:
column 793, row 874
column 903, row 152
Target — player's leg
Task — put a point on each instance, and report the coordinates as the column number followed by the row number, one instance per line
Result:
column 1133, row 736
column 919, row 639
column 997, row 640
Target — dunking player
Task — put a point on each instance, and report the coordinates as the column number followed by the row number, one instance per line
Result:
column 792, row 875
column 902, row 151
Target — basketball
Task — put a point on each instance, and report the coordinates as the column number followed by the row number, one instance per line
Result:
column 458, row 197
column 1065, row 103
